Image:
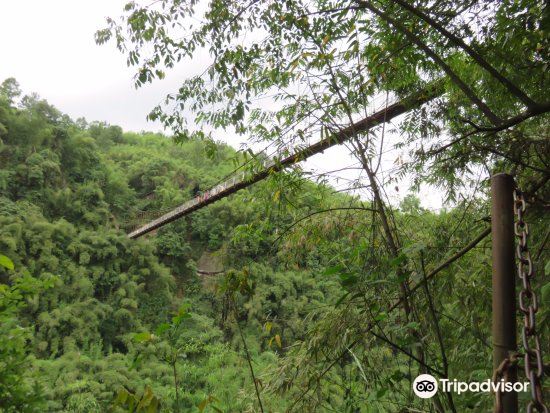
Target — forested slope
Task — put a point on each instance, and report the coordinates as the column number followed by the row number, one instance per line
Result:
column 69, row 190
column 90, row 320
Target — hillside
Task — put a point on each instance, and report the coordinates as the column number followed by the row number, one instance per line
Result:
column 69, row 190
column 97, row 321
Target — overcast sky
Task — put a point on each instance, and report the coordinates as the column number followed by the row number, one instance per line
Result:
column 49, row 47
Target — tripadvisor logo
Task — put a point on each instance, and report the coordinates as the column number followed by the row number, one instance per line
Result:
column 425, row 386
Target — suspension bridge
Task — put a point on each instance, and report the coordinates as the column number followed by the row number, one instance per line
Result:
column 244, row 179
column 506, row 200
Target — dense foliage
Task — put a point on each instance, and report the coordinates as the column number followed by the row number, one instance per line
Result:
column 93, row 321
column 290, row 72
column 87, row 312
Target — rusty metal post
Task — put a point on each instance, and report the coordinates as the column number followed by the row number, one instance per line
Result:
column 504, row 278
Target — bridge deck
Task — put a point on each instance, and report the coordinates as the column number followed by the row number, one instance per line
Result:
column 243, row 180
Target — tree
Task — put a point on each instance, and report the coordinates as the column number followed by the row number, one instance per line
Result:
column 9, row 90
column 342, row 54
column 19, row 388
column 316, row 279
column 323, row 64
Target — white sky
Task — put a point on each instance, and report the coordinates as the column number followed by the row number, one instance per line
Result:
column 49, row 47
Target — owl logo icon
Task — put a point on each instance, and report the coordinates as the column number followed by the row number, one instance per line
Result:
column 425, row 386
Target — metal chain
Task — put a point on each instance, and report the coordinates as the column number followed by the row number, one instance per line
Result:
column 502, row 373
column 528, row 305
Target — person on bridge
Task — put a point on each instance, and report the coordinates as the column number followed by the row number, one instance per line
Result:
column 196, row 190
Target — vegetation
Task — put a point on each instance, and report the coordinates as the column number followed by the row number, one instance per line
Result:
column 89, row 312
column 327, row 301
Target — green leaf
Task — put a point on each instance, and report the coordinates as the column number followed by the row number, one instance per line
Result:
column 341, row 299
column 177, row 320
column 380, row 393
column 333, row 270
column 412, row 249
column 413, row 325
column 6, row 262
column 143, row 337
column 348, row 279
column 395, row 262
column 380, row 316
column 162, row 328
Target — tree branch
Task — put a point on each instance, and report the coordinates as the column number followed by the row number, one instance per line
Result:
column 510, row 122
column 407, row 353
column 322, row 211
column 248, row 359
column 395, row 305
column 513, row 89
column 494, row 119
column 437, row 329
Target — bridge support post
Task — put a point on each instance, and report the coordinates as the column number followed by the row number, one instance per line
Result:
column 503, row 280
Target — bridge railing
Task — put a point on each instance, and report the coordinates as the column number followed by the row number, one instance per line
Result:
column 228, row 185
column 392, row 109
column 270, row 162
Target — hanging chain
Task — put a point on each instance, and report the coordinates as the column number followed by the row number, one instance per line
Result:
column 503, row 373
column 528, row 305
